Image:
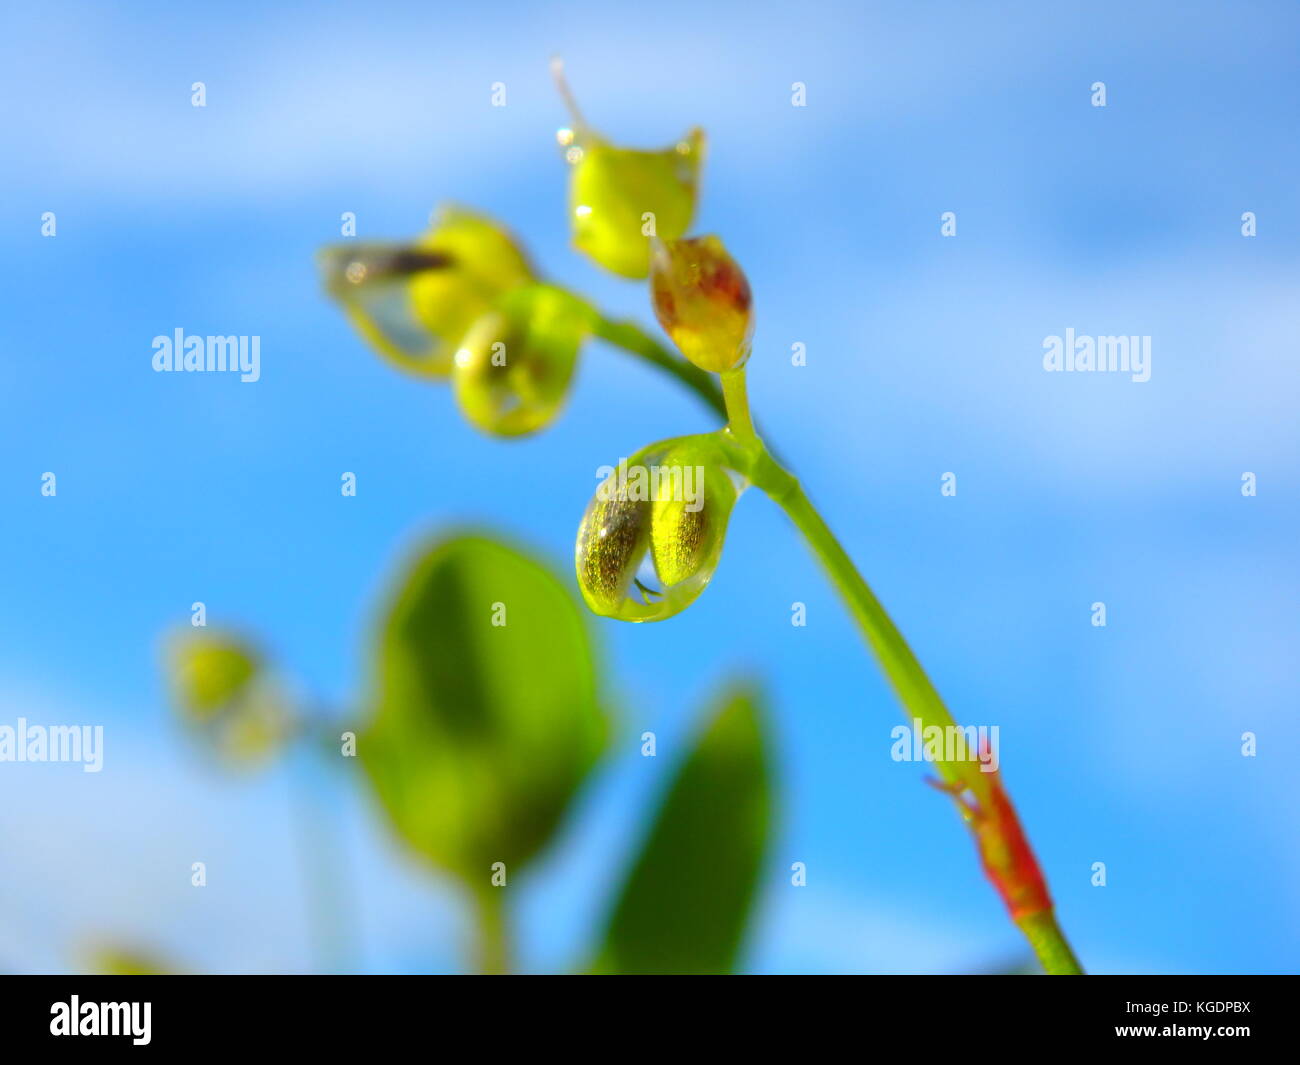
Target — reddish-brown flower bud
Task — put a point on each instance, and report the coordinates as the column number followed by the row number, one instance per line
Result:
column 701, row 298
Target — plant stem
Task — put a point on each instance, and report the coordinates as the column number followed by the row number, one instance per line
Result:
column 901, row 666
column 566, row 94
column 735, row 394
column 1050, row 944
column 323, row 870
column 493, row 951
column 1004, row 850
column 632, row 338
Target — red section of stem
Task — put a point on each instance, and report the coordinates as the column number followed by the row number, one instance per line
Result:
column 1008, row 859
column 1004, row 849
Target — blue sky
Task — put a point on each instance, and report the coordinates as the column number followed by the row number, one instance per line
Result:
column 924, row 356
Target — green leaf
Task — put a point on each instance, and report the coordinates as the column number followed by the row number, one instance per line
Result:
column 487, row 716
column 687, row 899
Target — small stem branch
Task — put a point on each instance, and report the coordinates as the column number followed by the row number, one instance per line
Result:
column 633, row 339
column 566, row 94
column 735, row 393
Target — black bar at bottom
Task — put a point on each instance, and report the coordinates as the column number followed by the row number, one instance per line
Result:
column 1228, row 1014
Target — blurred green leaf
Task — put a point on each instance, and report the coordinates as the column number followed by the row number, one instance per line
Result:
column 486, row 710
column 687, row 899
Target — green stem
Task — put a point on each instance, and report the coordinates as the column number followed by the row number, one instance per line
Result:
column 905, row 674
column 735, row 394
column 904, row 671
column 1050, row 944
column 323, row 870
column 632, row 338
column 493, row 950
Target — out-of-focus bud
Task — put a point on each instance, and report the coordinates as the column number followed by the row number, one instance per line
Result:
column 372, row 282
column 619, row 198
column 514, row 365
column 209, row 672
column 220, row 689
column 414, row 302
column 652, row 535
column 701, row 298
column 486, row 263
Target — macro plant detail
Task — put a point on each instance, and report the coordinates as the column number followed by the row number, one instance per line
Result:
column 643, row 551
column 226, row 697
column 702, row 299
column 641, row 527
column 476, row 731
column 616, row 193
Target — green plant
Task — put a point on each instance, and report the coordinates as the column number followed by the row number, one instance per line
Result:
column 483, row 714
column 630, row 211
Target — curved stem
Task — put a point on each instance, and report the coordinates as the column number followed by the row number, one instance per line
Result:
column 632, row 338
column 972, row 782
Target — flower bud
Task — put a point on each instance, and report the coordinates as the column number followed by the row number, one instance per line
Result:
column 652, row 535
column 701, row 298
column 686, row 536
column 414, row 302
column 621, row 197
column 208, row 672
column 219, row 687
column 485, row 262
column 372, row 282
column 512, row 372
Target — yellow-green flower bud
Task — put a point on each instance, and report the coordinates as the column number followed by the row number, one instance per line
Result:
column 372, row 283
column 686, row 535
column 414, row 302
column 611, row 548
column 702, row 299
column 485, row 263
column 208, row 672
column 219, row 686
column 619, row 198
column 652, row 535
column 511, row 374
